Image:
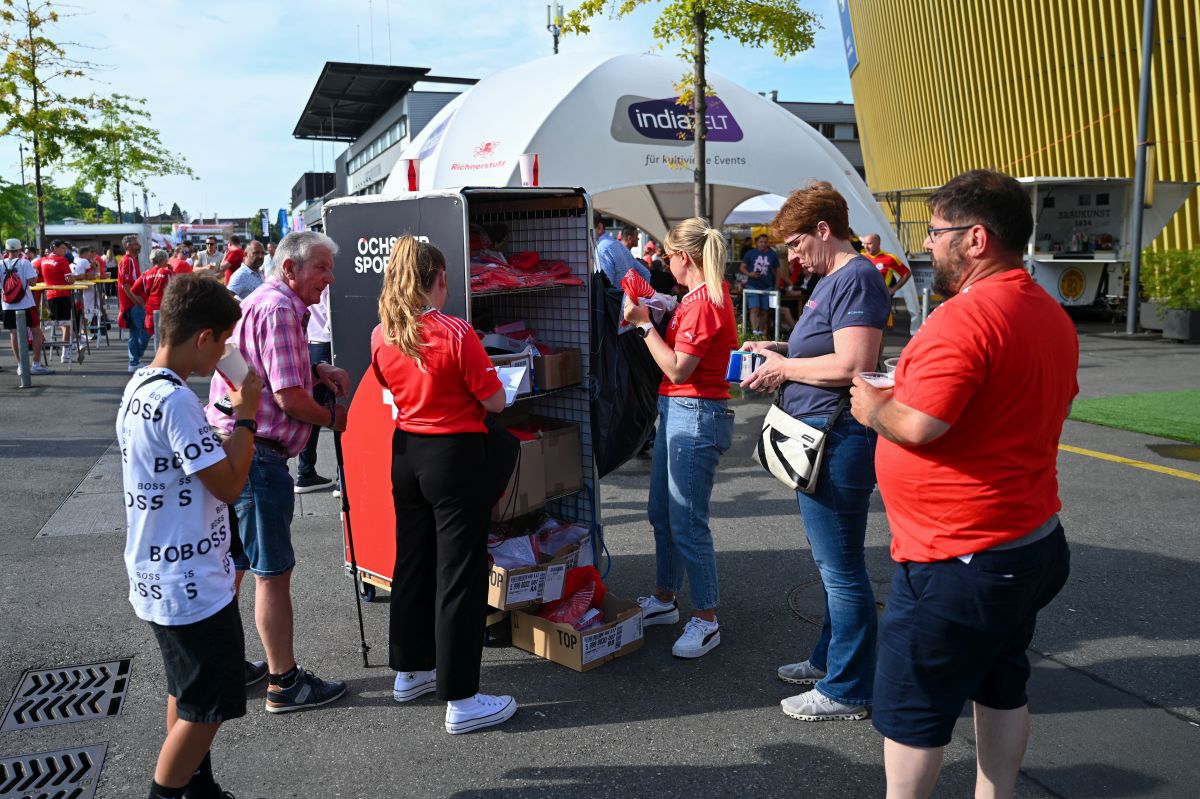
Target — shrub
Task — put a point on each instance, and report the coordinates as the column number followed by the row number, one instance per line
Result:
column 1172, row 278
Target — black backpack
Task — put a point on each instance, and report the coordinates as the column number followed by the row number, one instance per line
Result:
column 14, row 285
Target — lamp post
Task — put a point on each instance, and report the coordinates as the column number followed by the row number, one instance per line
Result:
column 24, row 195
column 554, row 18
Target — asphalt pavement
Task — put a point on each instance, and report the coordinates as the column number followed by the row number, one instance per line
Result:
column 1116, row 660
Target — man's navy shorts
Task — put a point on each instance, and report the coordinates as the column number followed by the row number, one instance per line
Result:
column 758, row 301
column 954, row 631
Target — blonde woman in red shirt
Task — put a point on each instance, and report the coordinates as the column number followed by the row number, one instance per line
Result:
column 444, row 386
column 695, row 428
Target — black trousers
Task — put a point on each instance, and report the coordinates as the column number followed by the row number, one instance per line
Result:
column 443, row 500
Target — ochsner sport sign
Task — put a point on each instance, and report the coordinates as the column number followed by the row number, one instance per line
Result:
column 638, row 119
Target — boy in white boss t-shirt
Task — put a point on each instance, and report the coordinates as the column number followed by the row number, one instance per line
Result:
column 178, row 480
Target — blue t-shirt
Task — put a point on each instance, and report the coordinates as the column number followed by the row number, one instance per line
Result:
column 853, row 296
column 761, row 266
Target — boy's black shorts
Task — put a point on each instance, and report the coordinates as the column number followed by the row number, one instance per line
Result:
column 206, row 666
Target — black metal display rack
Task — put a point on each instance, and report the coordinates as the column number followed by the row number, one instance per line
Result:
column 555, row 223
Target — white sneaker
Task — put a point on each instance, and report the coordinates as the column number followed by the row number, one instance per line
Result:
column 699, row 637
column 411, row 684
column 39, row 369
column 802, row 673
column 133, row 369
column 655, row 611
column 481, row 710
column 815, row 706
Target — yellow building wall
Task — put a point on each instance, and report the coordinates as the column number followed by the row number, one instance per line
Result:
column 1029, row 87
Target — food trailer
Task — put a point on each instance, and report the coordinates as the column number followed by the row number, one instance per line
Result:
column 1080, row 248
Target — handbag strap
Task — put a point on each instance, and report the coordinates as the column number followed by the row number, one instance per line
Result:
column 829, row 423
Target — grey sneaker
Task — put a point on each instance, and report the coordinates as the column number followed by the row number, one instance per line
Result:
column 803, row 673
column 39, row 369
column 815, row 706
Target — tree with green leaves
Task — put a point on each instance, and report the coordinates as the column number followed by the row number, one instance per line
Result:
column 783, row 24
column 31, row 106
column 125, row 151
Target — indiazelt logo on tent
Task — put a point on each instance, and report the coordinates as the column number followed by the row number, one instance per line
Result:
column 636, row 119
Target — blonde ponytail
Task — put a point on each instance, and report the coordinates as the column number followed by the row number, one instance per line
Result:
column 411, row 272
column 707, row 248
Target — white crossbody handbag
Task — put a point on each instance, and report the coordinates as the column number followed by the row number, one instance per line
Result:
column 792, row 450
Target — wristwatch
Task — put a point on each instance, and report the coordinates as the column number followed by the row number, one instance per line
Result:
column 644, row 329
column 249, row 424
column 314, row 368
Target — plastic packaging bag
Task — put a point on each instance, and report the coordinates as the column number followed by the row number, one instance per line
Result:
column 513, row 553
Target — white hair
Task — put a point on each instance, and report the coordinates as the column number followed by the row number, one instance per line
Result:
column 299, row 248
column 158, row 256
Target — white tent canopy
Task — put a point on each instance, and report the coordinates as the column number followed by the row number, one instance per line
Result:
column 758, row 210
column 609, row 125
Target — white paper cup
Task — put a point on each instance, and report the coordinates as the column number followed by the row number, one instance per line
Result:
column 529, row 168
column 879, row 379
column 232, row 365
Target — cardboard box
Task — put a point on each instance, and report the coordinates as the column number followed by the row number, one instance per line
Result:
column 532, row 585
column 562, row 455
column 529, row 482
column 563, row 368
column 618, row 636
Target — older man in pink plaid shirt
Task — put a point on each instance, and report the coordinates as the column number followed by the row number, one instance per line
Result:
column 272, row 338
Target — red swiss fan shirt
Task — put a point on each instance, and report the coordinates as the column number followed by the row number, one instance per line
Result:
column 445, row 396
column 701, row 328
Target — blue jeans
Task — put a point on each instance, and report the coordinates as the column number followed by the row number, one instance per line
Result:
column 835, row 520
column 692, row 435
column 138, row 337
column 264, row 513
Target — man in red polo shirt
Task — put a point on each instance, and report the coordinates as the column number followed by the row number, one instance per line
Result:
column 966, row 463
column 233, row 257
column 132, row 316
column 56, row 271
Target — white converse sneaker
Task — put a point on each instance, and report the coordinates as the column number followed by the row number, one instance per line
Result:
column 699, row 637
column 655, row 611
column 815, row 706
column 411, row 684
column 481, row 710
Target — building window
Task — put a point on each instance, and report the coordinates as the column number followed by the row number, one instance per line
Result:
column 827, row 129
column 1102, row 199
column 389, row 138
column 843, row 132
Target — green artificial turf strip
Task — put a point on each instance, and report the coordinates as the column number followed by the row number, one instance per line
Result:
column 1166, row 414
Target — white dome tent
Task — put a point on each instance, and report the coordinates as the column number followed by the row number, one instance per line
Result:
column 609, row 125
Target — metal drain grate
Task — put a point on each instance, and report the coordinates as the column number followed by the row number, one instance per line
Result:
column 73, row 693
column 64, row 774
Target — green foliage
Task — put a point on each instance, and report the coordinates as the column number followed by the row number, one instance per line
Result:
column 16, row 208
column 1172, row 278
column 31, row 107
column 783, row 25
column 125, row 152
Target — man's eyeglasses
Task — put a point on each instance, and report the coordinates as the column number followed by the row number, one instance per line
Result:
column 934, row 232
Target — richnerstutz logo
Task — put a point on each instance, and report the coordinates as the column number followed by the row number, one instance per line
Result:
column 636, row 119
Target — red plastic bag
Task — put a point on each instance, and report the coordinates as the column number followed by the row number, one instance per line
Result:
column 582, row 589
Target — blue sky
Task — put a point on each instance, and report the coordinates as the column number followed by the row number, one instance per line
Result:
column 226, row 80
